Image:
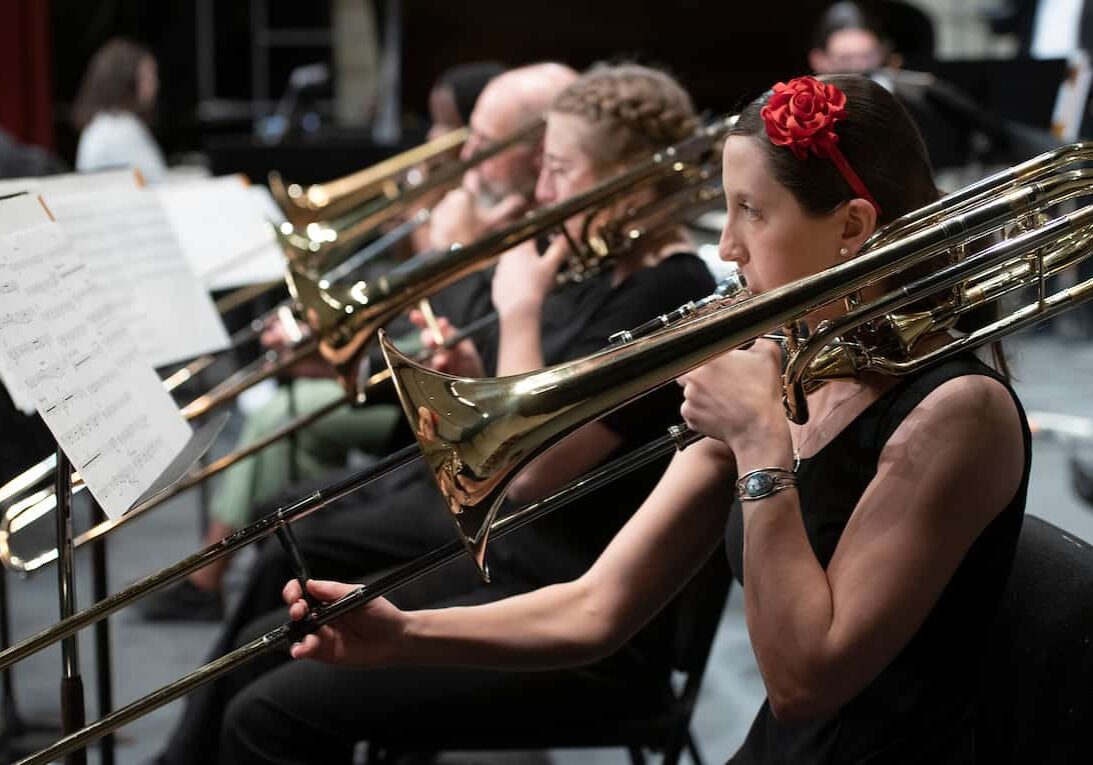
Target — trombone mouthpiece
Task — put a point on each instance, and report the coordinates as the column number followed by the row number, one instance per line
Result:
column 732, row 287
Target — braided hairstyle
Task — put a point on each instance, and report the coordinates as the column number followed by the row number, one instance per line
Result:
column 632, row 110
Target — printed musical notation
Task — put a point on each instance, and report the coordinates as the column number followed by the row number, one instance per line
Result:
column 69, row 350
column 9, row 318
column 131, row 250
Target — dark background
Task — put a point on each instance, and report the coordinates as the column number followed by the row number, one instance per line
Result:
column 723, row 52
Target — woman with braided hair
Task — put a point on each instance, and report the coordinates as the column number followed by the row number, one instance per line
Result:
column 873, row 542
column 309, row 712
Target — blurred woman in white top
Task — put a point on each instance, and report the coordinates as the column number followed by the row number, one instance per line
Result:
column 116, row 99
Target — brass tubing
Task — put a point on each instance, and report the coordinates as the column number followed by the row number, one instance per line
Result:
column 282, row 636
column 944, row 278
column 347, row 233
column 332, row 198
column 666, row 212
column 244, row 295
column 230, row 544
column 247, row 377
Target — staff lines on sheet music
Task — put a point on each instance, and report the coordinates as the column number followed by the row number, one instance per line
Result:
column 58, row 310
column 82, row 429
column 134, row 427
column 35, row 345
column 50, row 371
column 22, row 317
column 111, row 408
column 147, row 453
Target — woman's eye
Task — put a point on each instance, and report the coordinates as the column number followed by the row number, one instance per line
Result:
column 750, row 212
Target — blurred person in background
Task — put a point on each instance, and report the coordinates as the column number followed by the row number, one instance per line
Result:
column 113, row 109
column 18, row 160
column 850, row 39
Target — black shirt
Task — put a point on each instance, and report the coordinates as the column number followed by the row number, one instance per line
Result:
column 920, row 709
column 577, row 321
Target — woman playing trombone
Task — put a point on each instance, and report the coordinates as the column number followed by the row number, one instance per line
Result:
column 873, row 542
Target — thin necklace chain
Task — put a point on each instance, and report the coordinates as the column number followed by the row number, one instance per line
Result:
column 797, row 447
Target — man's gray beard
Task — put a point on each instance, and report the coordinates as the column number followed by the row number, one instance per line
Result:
column 488, row 198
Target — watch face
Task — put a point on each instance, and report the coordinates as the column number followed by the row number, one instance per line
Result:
column 759, row 483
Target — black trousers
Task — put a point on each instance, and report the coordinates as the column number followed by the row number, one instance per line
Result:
column 306, row 712
column 278, row 710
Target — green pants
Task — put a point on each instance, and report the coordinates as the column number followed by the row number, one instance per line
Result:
column 319, row 448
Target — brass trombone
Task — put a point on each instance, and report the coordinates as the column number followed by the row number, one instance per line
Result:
column 332, row 250
column 476, row 434
column 323, row 201
column 348, row 316
column 602, row 248
column 337, row 246
column 319, row 246
column 598, row 245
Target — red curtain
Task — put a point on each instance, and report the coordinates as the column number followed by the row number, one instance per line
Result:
column 26, row 77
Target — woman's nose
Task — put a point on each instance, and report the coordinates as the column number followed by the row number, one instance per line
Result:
column 730, row 249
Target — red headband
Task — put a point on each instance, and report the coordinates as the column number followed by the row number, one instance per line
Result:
column 801, row 115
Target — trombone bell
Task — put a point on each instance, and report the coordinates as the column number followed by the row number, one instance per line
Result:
column 470, row 460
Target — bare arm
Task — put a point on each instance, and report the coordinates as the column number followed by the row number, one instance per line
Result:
column 821, row 636
column 657, row 551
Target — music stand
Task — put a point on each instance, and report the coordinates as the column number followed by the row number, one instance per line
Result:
column 984, row 111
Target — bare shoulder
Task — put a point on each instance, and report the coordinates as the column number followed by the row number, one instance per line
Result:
column 966, row 436
column 977, row 404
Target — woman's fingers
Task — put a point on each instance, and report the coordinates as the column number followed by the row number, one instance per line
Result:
column 327, row 591
column 308, row 648
column 324, row 645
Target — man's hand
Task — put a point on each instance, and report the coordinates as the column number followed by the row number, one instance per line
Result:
column 459, row 218
column 462, row 359
column 276, row 337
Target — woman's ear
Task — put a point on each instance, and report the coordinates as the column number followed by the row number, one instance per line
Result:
column 817, row 61
column 859, row 223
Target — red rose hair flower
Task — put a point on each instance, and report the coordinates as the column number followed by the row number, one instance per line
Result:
column 801, row 115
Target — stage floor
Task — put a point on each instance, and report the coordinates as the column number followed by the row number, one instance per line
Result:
column 1052, row 374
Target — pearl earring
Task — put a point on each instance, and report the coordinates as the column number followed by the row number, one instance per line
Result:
column 844, row 251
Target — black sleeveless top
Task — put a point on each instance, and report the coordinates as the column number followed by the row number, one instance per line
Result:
column 920, row 709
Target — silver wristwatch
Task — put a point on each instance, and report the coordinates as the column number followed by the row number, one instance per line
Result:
column 764, row 482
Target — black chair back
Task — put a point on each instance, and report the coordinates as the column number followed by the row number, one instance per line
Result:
column 1036, row 697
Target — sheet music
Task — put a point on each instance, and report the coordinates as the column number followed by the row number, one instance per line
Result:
column 18, row 390
column 93, row 387
column 71, row 183
column 224, row 227
column 128, row 244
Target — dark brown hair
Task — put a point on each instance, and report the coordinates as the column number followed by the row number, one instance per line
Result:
column 879, row 140
column 884, row 147
column 847, row 14
column 110, row 82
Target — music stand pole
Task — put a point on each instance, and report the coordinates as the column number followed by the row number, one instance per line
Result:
column 72, row 696
column 103, row 662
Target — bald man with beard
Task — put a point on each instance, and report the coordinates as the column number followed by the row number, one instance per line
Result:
column 403, row 516
column 498, row 189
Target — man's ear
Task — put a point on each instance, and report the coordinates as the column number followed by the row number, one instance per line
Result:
column 817, row 61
